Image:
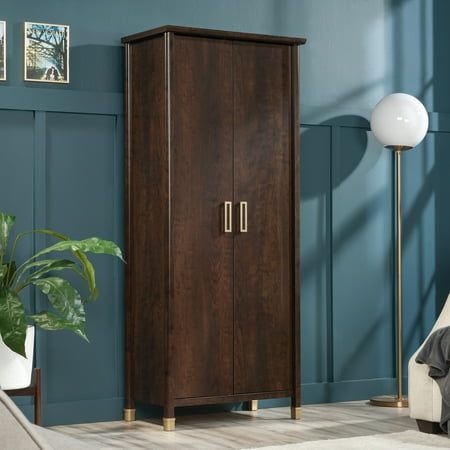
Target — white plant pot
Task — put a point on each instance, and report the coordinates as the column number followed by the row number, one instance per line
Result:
column 15, row 370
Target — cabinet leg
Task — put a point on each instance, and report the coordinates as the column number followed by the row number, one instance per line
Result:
column 129, row 412
column 296, row 412
column 252, row 405
column 129, row 415
column 169, row 423
column 169, row 418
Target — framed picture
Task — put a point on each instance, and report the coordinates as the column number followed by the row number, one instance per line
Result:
column 46, row 52
column 2, row 50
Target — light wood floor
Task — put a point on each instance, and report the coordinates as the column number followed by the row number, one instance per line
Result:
column 243, row 429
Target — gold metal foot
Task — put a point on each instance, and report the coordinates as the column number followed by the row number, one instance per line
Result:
column 252, row 405
column 129, row 415
column 169, row 423
column 391, row 401
column 296, row 412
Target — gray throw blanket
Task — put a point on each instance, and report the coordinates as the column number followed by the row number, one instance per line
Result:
column 436, row 355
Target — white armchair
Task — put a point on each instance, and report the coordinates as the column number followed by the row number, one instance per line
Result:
column 424, row 396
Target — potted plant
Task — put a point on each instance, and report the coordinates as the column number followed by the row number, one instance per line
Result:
column 42, row 271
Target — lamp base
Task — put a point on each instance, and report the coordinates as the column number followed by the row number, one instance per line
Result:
column 391, row 401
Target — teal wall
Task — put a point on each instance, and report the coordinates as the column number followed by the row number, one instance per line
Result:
column 61, row 167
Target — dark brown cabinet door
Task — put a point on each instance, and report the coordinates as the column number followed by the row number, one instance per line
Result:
column 201, row 117
column 262, row 257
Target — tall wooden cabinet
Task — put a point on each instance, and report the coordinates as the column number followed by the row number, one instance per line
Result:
column 212, row 219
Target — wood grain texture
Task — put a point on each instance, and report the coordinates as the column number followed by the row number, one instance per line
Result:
column 295, row 225
column 147, row 221
column 212, row 317
column 245, row 429
column 263, row 259
column 234, row 398
column 202, row 179
column 129, row 394
column 217, row 34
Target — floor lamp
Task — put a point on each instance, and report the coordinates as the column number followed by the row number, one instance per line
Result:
column 399, row 122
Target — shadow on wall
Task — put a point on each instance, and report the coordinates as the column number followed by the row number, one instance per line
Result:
column 95, row 68
column 422, row 68
column 312, row 184
column 441, row 76
column 333, row 152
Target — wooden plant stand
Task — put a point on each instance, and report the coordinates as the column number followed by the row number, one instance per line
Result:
column 34, row 390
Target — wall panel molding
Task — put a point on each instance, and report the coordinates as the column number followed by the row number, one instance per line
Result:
column 61, row 100
column 104, row 123
column 321, row 383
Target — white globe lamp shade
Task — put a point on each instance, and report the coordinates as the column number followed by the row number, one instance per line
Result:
column 399, row 120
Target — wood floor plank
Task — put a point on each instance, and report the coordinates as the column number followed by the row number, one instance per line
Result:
column 244, row 429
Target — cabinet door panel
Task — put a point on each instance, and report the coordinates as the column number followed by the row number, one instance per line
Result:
column 262, row 178
column 202, row 254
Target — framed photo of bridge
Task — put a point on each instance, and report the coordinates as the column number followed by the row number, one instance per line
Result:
column 46, row 52
column 2, row 50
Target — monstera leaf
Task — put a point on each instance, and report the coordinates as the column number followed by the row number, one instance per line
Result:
column 13, row 326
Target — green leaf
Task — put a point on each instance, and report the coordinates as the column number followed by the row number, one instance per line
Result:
column 13, row 326
column 51, row 322
column 6, row 223
column 67, row 302
column 88, row 268
column 47, row 265
column 55, row 234
column 89, row 274
column 11, row 270
column 3, row 271
column 93, row 245
column 63, row 297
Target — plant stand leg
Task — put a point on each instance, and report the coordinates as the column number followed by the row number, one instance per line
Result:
column 37, row 397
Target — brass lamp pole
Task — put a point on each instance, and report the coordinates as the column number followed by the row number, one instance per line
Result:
column 399, row 122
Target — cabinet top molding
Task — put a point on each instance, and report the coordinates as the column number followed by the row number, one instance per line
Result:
column 218, row 34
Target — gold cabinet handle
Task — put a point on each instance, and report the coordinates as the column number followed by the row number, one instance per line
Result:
column 243, row 217
column 228, row 217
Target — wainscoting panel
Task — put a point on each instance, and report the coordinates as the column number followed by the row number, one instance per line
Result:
column 424, row 203
column 63, row 171
column 362, row 239
column 315, row 252
column 81, row 190
column 16, row 176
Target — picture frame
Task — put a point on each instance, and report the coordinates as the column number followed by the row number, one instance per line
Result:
column 46, row 52
column 2, row 50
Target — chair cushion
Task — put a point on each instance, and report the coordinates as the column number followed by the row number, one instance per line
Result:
column 424, row 396
column 17, row 433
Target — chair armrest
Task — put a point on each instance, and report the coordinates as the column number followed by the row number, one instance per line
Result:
column 424, row 396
